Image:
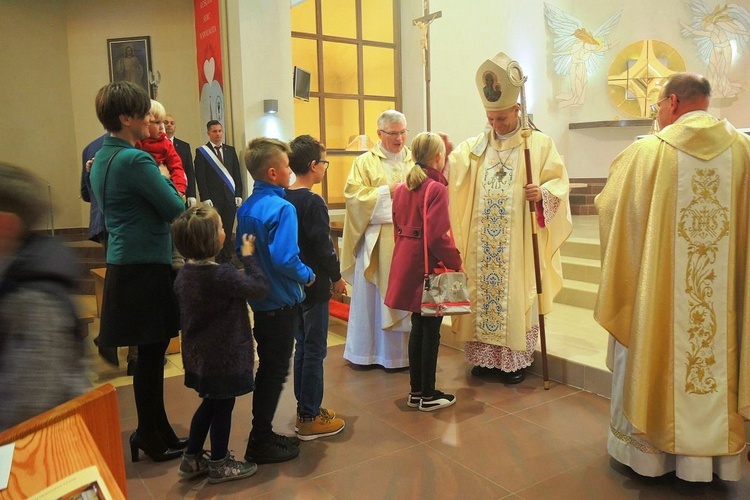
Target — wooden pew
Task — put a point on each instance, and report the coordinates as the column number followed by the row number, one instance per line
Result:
column 72, row 436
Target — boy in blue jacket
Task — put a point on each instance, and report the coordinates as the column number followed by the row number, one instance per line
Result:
column 273, row 221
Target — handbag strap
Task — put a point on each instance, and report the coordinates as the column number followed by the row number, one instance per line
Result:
column 104, row 185
column 424, row 230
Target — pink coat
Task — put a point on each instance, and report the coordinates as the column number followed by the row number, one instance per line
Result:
column 406, row 279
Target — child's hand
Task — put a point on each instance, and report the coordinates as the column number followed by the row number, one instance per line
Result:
column 163, row 170
column 88, row 164
column 248, row 244
column 339, row 287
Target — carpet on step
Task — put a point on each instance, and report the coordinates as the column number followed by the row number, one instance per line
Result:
column 338, row 310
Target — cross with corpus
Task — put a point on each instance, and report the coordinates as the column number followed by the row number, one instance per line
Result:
column 423, row 23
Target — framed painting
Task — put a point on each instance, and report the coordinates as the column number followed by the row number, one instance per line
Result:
column 130, row 59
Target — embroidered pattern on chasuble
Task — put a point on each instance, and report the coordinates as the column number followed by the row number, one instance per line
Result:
column 493, row 246
column 701, row 303
column 394, row 171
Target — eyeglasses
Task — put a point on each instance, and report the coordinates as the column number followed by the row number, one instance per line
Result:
column 655, row 107
column 402, row 133
column 328, row 163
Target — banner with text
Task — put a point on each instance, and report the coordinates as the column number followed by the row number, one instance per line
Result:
column 208, row 45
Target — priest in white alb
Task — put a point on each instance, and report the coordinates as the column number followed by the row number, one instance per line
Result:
column 375, row 334
column 675, row 291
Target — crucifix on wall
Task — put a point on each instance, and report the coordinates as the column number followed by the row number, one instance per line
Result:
column 423, row 23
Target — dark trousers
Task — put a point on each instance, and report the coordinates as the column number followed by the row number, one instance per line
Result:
column 424, row 342
column 214, row 415
column 228, row 213
column 148, row 390
column 274, row 333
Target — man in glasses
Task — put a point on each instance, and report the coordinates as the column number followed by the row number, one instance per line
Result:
column 376, row 334
column 675, row 278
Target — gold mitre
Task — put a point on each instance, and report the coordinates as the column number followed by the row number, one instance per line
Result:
column 494, row 87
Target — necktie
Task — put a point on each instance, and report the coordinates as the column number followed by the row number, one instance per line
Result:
column 218, row 154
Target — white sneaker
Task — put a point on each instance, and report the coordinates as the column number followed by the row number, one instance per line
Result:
column 437, row 401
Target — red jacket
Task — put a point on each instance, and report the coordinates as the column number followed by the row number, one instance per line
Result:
column 406, row 280
column 164, row 153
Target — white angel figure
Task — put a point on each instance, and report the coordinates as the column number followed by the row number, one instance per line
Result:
column 577, row 52
column 714, row 31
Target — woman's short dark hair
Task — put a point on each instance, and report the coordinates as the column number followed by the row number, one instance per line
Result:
column 121, row 98
column 196, row 232
column 305, row 150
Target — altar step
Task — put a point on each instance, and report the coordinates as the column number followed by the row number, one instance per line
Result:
column 580, row 258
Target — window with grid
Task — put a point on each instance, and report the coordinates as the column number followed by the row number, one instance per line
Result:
column 351, row 50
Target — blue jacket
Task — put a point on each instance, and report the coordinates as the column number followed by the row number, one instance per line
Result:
column 273, row 221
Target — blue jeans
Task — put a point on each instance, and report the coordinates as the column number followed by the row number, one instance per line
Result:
column 311, row 348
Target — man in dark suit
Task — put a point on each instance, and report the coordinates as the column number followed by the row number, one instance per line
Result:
column 219, row 179
column 185, row 152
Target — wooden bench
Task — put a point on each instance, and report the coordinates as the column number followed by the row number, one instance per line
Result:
column 84, row 431
column 98, row 275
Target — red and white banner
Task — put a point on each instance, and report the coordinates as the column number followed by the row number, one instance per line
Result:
column 208, row 45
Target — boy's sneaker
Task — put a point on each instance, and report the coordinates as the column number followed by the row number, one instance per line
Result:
column 285, row 440
column 270, row 450
column 229, row 469
column 437, row 401
column 326, row 412
column 194, row 465
column 413, row 401
column 321, row 426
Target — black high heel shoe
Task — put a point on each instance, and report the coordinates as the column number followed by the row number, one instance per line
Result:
column 136, row 443
column 180, row 444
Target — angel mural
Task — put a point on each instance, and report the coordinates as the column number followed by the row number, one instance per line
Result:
column 578, row 52
column 717, row 33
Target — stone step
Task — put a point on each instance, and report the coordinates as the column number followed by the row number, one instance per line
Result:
column 585, row 248
column 89, row 255
column 86, row 248
column 580, row 269
column 578, row 293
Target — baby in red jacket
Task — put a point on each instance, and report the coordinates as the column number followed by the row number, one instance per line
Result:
column 158, row 145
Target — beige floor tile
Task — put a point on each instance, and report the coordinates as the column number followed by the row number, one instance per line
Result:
column 417, row 472
column 514, row 453
column 580, row 416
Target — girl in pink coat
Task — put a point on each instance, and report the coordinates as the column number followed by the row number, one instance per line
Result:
column 407, row 267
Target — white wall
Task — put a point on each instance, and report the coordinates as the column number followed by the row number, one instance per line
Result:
column 472, row 31
column 36, row 110
column 260, row 55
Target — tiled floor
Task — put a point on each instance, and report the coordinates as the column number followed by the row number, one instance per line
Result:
column 497, row 441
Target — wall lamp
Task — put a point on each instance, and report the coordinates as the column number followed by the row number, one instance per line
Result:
column 271, row 106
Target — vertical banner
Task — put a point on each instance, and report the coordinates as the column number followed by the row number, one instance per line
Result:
column 208, row 45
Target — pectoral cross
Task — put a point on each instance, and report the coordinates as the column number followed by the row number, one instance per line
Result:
column 423, row 23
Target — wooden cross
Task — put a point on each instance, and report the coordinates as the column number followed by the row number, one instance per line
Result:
column 423, row 23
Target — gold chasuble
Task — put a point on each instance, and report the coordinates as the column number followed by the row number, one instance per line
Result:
column 491, row 222
column 675, row 286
